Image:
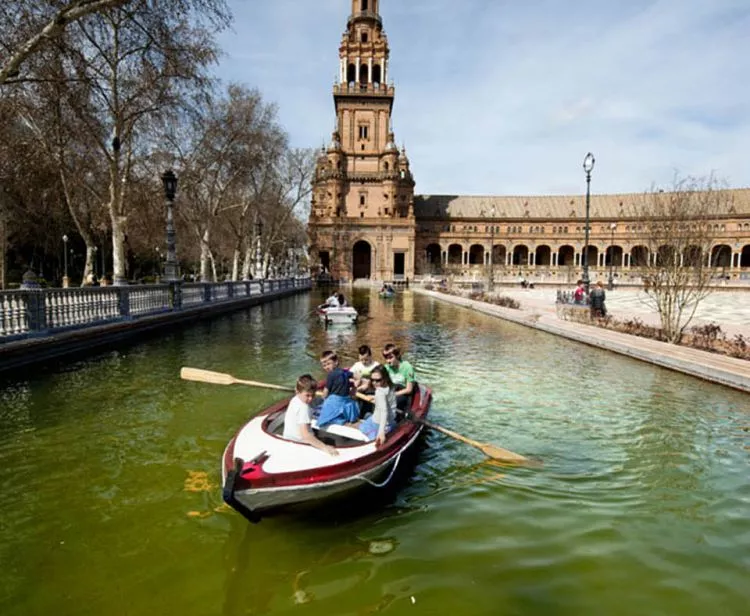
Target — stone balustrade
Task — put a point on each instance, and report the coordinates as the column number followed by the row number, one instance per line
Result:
column 35, row 312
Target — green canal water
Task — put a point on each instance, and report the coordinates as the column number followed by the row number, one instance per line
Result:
column 109, row 476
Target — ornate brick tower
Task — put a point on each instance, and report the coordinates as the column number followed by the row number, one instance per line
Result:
column 362, row 214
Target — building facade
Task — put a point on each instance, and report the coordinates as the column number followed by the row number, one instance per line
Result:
column 367, row 223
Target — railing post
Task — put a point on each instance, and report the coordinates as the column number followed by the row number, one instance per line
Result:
column 35, row 313
column 206, row 292
column 175, row 295
column 123, row 301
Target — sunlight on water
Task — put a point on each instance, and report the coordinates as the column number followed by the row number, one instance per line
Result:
column 112, row 505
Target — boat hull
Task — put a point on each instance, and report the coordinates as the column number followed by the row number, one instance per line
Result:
column 338, row 316
column 253, row 490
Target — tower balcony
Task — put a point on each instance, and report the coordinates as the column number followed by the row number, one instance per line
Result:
column 364, row 16
column 363, row 89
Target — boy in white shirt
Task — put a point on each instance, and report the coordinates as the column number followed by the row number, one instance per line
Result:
column 297, row 419
column 362, row 369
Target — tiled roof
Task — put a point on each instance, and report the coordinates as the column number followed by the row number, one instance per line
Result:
column 546, row 207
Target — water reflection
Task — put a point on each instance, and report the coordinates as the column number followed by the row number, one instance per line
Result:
column 110, row 476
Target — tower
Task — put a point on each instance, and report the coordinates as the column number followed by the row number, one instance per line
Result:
column 362, row 214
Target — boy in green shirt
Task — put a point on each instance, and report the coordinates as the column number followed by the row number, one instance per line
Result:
column 402, row 375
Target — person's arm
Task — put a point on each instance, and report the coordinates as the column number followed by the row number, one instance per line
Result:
column 309, row 438
column 380, row 414
column 409, row 385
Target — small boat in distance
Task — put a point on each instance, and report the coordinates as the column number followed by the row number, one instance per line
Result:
column 262, row 471
column 337, row 315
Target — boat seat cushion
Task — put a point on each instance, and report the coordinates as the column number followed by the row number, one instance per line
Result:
column 345, row 431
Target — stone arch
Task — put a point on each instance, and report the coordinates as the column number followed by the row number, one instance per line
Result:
column 721, row 256
column 499, row 254
column 376, row 74
column 593, row 256
column 432, row 257
column 745, row 256
column 351, row 74
column 543, row 255
column 455, row 254
column 692, row 256
column 566, row 256
column 476, row 254
column 361, row 260
column 639, row 256
column 613, row 256
column 521, row 255
column 363, row 75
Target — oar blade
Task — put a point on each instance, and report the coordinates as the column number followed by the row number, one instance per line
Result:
column 503, row 455
column 206, row 376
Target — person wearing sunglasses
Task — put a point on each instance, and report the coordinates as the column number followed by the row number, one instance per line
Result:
column 383, row 419
column 401, row 373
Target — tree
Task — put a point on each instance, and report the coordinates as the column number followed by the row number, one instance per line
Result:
column 27, row 27
column 220, row 149
column 677, row 228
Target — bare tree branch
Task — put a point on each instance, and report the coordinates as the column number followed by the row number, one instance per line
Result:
column 57, row 23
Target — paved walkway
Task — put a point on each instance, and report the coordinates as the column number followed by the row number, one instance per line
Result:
column 538, row 311
column 729, row 309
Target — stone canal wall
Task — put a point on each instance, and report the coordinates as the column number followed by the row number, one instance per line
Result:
column 41, row 324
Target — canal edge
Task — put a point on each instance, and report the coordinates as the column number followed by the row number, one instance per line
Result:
column 720, row 369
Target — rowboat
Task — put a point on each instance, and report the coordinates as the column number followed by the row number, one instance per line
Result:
column 387, row 294
column 261, row 471
column 338, row 315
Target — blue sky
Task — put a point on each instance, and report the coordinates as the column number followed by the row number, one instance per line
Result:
column 500, row 97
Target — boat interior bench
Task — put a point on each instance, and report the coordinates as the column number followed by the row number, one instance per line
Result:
column 338, row 436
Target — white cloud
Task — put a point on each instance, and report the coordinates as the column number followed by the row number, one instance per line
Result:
column 501, row 97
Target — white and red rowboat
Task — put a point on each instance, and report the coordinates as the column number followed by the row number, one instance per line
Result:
column 262, row 471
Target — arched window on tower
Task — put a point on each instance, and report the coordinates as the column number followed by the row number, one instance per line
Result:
column 364, row 5
column 376, row 75
column 363, row 76
column 363, row 37
column 351, row 75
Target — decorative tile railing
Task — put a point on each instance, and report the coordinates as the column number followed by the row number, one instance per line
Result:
column 32, row 312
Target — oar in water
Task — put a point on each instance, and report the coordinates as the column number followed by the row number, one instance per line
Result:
column 491, row 451
column 220, row 378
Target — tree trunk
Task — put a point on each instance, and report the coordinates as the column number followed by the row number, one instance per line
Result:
column 236, row 264
column 248, row 263
column 205, row 256
column 119, row 227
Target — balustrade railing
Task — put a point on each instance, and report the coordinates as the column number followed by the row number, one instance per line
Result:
column 42, row 311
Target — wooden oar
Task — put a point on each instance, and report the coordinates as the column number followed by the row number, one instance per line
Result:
column 219, row 378
column 491, row 451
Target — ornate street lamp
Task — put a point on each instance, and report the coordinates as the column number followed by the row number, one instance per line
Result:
column 611, row 282
column 66, row 280
column 169, row 179
column 588, row 166
column 258, row 259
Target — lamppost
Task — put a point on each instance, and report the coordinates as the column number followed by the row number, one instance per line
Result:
column 588, row 166
column 491, row 277
column 611, row 282
column 169, row 179
column 93, row 260
column 258, row 259
column 66, row 280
